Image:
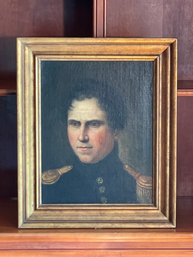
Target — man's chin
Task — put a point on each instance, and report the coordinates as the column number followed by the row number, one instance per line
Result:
column 87, row 160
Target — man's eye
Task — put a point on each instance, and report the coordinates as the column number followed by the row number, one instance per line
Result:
column 95, row 123
column 74, row 123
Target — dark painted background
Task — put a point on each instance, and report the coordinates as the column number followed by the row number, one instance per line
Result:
column 134, row 81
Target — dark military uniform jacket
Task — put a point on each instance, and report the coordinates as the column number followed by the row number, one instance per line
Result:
column 104, row 182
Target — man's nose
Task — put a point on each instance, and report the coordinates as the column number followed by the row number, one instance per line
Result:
column 83, row 135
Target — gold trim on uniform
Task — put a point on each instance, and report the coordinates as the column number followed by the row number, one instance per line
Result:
column 144, row 185
column 52, row 176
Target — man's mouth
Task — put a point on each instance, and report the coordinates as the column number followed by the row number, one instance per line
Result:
column 84, row 148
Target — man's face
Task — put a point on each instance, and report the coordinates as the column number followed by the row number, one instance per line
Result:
column 89, row 134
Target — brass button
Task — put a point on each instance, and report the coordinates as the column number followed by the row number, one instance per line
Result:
column 102, row 189
column 103, row 199
column 99, row 180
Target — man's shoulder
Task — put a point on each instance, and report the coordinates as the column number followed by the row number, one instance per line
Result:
column 53, row 175
column 144, row 185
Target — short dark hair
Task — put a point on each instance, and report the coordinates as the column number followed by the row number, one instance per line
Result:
column 109, row 99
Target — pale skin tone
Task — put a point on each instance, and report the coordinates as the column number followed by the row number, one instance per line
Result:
column 89, row 134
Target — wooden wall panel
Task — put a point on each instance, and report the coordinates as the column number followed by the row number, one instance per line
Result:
column 178, row 22
column 46, row 18
column 40, row 18
column 26, row 18
column 134, row 18
column 150, row 18
column 8, row 146
column 185, row 146
column 78, row 18
column 31, row 18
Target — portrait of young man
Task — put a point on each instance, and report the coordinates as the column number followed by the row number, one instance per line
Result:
column 95, row 115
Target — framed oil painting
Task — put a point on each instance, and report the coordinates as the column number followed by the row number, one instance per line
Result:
column 96, row 132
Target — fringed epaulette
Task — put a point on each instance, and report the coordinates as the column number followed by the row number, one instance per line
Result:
column 52, row 176
column 143, row 185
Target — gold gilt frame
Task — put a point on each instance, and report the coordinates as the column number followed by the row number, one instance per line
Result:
column 158, row 213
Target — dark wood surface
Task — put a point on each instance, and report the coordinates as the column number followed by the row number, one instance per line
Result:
column 31, row 18
column 78, row 18
column 27, row 18
column 185, row 145
column 40, row 18
column 161, row 18
column 7, row 83
column 8, row 145
column 128, row 18
column 185, row 84
column 178, row 22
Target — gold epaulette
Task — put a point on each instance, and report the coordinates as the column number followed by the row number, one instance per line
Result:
column 144, row 185
column 52, row 176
